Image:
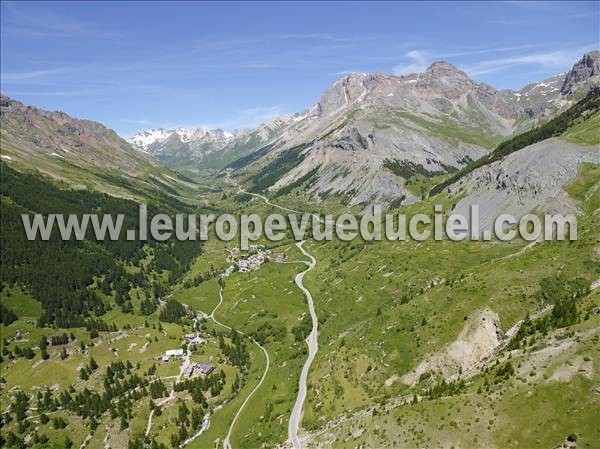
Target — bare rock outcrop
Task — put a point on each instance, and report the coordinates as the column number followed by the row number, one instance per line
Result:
column 530, row 178
column 586, row 68
column 478, row 340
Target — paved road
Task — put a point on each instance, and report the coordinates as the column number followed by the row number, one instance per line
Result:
column 313, row 347
column 184, row 366
column 312, row 340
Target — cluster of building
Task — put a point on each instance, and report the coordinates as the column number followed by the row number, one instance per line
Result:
column 193, row 368
column 190, row 339
column 256, row 256
column 194, row 339
column 279, row 257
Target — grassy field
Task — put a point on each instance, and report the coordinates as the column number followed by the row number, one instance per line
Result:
column 139, row 340
column 266, row 305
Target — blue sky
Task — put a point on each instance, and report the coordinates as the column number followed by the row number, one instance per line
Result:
column 139, row 65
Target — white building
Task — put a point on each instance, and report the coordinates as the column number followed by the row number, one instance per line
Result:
column 176, row 353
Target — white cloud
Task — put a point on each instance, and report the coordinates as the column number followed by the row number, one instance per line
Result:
column 46, row 23
column 421, row 59
column 242, row 120
column 136, row 121
column 419, row 62
column 546, row 60
column 34, row 74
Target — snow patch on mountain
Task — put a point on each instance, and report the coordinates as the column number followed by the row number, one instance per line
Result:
column 143, row 140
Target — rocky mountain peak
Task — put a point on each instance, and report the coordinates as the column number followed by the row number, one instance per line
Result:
column 354, row 77
column 587, row 67
column 171, row 138
column 343, row 92
column 365, row 119
column 149, row 141
column 445, row 79
column 198, row 133
column 447, row 73
column 443, row 68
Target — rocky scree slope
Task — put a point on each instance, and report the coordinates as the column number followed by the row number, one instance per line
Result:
column 364, row 123
column 528, row 172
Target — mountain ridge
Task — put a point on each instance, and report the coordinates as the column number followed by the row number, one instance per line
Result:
column 80, row 152
column 371, row 138
column 434, row 122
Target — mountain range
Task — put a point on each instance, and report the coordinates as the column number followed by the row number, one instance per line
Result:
column 376, row 138
column 370, row 139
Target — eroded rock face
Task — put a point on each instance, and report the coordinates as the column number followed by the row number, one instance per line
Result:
column 531, row 177
column 445, row 80
column 364, row 120
column 343, row 93
column 478, row 340
column 351, row 140
column 586, row 68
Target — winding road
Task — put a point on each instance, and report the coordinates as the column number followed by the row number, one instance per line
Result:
column 313, row 347
column 311, row 340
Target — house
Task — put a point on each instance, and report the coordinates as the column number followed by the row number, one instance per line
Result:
column 198, row 368
column 175, row 353
column 205, row 368
column 280, row 257
column 244, row 266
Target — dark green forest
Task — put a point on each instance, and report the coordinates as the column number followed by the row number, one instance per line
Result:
column 67, row 277
column 281, row 164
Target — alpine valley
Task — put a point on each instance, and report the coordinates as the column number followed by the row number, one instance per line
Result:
column 152, row 344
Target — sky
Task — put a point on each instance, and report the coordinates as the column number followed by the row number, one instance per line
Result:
column 139, row 65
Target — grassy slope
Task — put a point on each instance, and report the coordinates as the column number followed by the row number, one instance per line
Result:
column 586, row 132
column 367, row 335
column 449, row 131
column 364, row 324
column 30, row 375
column 267, row 296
